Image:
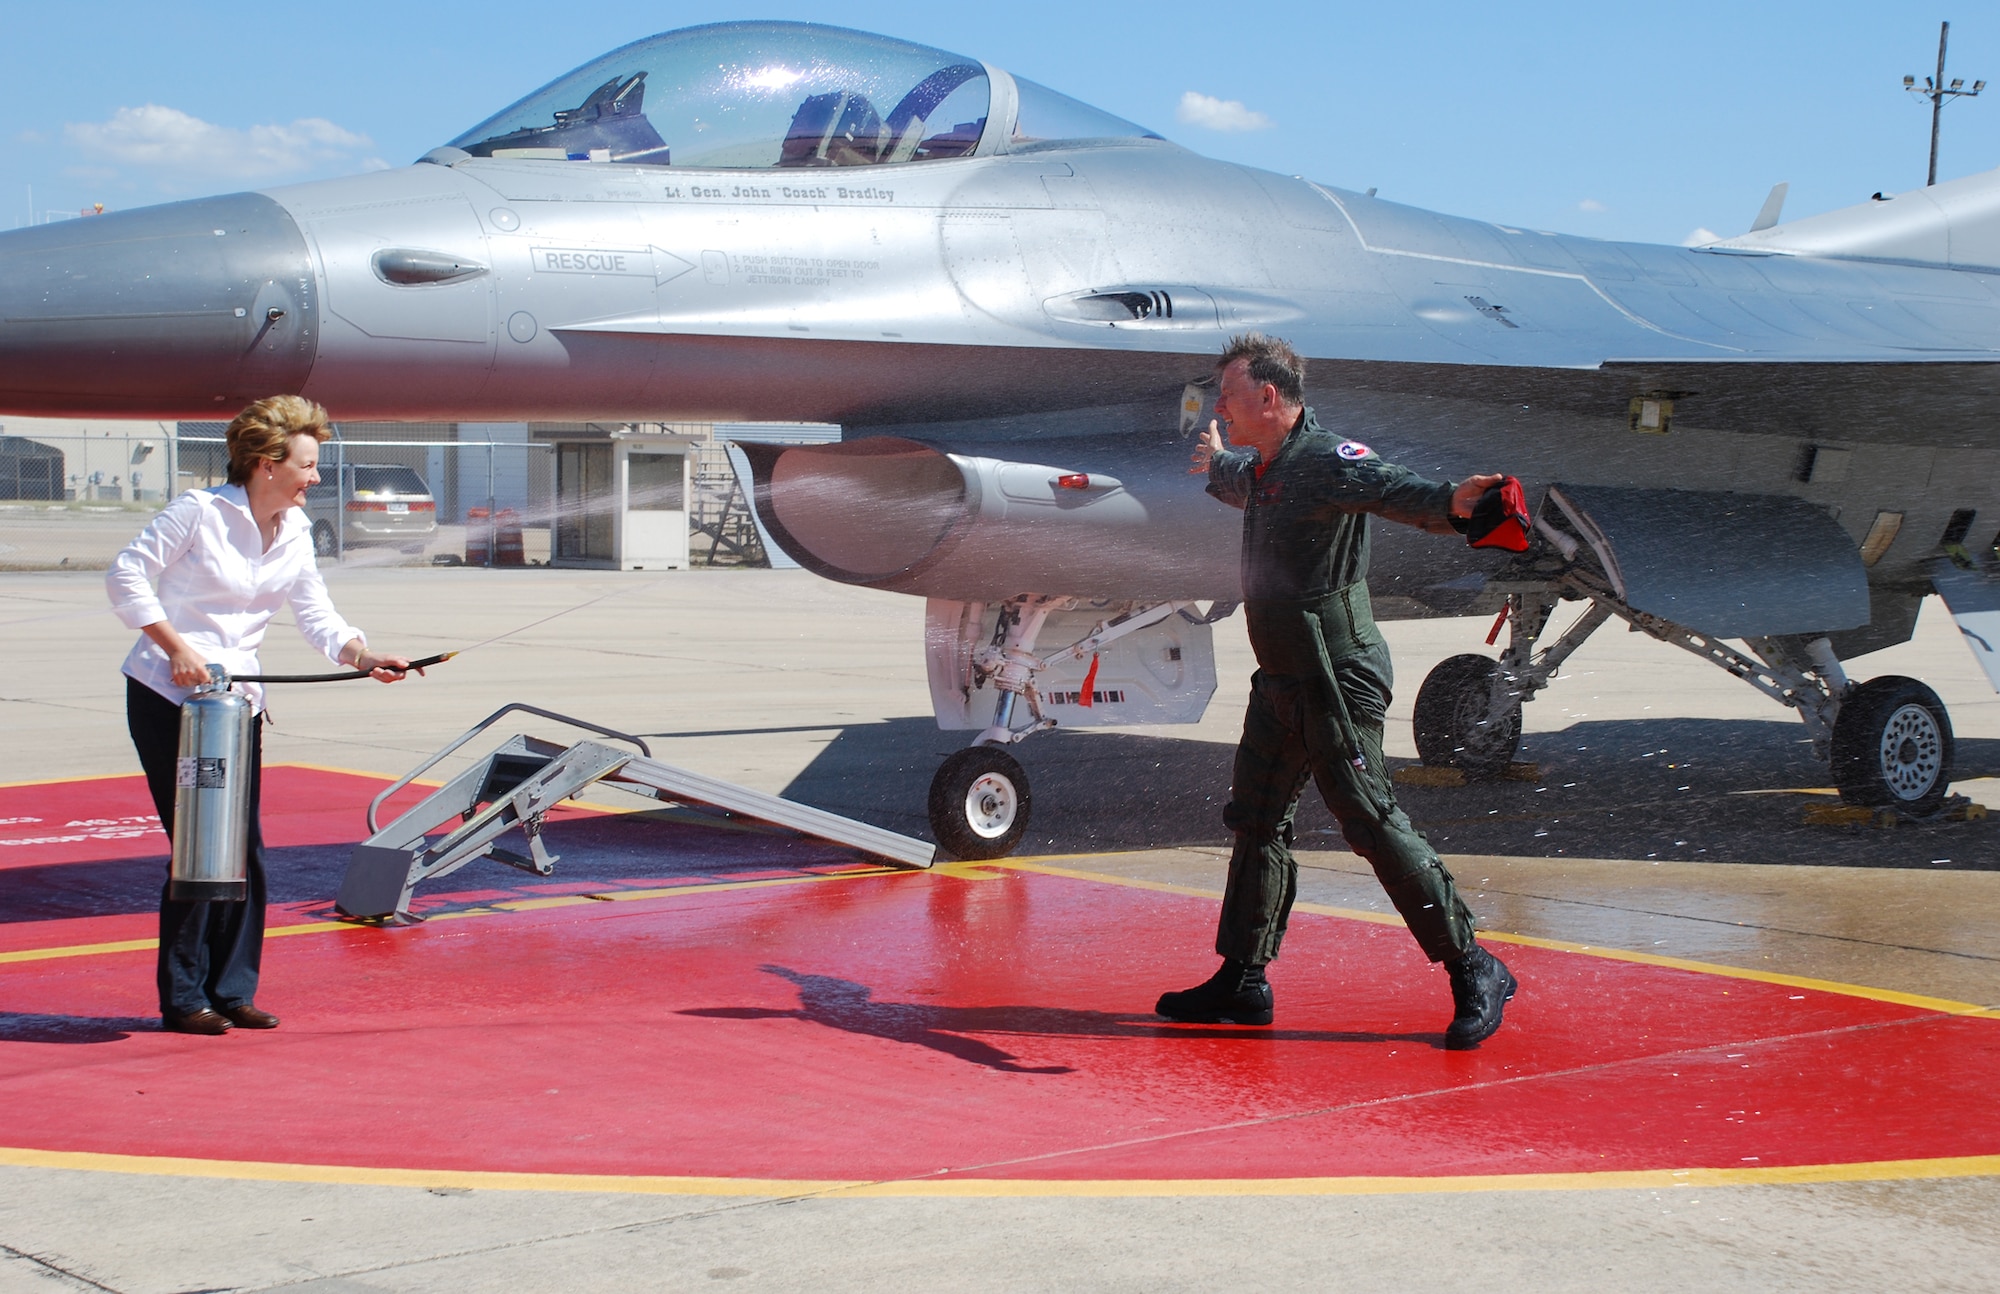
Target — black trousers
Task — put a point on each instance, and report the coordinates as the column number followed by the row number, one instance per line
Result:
column 210, row 952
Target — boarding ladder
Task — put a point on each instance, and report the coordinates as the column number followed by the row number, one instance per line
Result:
column 524, row 778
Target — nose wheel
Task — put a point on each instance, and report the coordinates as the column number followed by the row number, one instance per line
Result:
column 1892, row 746
column 979, row 803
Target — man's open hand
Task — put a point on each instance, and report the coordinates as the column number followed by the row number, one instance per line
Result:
column 1208, row 447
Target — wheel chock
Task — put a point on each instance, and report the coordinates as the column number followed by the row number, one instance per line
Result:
column 1425, row 775
column 1957, row 808
column 1838, row 815
column 1960, row 808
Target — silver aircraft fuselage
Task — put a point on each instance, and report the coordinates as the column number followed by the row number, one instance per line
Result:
column 1044, row 303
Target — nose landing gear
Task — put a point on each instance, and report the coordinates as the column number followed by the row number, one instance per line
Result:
column 979, row 800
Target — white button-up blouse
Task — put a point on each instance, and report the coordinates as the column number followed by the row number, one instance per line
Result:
column 219, row 588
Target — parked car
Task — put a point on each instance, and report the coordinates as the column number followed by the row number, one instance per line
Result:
column 385, row 503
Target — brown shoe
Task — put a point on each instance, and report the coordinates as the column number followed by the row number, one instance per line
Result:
column 202, row 1021
column 250, row 1017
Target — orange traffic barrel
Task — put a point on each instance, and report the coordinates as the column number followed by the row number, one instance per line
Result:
column 478, row 538
column 507, row 547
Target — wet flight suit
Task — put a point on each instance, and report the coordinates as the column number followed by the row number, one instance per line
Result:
column 1321, row 690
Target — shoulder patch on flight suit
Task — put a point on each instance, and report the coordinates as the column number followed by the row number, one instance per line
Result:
column 1352, row 449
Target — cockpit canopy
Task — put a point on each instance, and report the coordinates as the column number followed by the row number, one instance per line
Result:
column 757, row 95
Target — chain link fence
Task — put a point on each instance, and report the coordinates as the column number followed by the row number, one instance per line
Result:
column 73, row 494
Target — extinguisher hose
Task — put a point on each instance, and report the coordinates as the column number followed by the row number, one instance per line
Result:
column 340, row 676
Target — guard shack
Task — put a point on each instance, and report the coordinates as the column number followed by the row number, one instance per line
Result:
column 621, row 498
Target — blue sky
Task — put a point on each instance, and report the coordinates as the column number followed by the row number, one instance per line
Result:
column 1632, row 121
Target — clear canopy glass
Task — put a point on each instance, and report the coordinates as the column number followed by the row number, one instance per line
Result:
column 1046, row 117
column 754, row 95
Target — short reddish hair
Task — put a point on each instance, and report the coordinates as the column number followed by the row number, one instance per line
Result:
column 263, row 432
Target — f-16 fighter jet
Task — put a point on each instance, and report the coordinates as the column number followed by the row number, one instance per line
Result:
column 1766, row 451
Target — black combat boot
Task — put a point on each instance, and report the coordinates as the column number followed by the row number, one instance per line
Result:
column 1235, row 994
column 1481, row 987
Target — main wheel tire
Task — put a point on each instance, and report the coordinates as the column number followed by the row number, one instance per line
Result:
column 979, row 803
column 1453, row 727
column 322, row 539
column 1892, row 746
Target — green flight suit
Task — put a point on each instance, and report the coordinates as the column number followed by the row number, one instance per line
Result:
column 1322, row 687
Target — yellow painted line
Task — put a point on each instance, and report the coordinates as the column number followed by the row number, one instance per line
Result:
column 1944, row 1006
column 669, row 891
column 994, row 1188
column 51, row 781
column 353, row 772
column 106, row 777
column 148, row 945
column 258, row 1171
column 484, row 910
column 81, row 950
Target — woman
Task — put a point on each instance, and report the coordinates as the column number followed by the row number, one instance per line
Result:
column 225, row 560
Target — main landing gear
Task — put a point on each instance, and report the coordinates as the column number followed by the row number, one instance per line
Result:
column 980, row 798
column 1888, row 740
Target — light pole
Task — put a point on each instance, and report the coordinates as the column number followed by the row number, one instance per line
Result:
column 1937, row 92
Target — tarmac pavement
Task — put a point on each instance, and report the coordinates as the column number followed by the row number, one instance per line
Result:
column 1667, row 820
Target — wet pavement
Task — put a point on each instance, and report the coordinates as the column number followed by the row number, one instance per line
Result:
column 1749, row 1053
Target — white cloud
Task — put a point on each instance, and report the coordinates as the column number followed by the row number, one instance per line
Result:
column 1591, row 205
column 1211, row 113
column 1701, row 237
column 164, row 139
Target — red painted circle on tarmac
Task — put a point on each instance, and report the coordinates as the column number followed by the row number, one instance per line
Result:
column 893, row 1026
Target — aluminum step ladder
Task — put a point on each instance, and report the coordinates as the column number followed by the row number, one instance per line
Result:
column 524, row 778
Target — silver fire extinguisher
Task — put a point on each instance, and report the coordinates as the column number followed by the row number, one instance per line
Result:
column 212, row 795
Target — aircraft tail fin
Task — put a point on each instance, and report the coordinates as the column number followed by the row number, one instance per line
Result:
column 1955, row 224
column 1767, row 215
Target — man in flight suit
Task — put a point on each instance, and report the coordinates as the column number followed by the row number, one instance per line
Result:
column 1321, row 690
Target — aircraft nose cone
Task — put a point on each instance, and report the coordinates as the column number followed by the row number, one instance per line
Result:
column 188, row 310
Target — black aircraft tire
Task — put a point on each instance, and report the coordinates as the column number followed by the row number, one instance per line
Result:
column 1451, row 725
column 1892, row 746
column 979, row 803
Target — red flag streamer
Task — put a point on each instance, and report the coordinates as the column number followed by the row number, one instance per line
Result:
column 1089, row 681
column 1498, row 620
